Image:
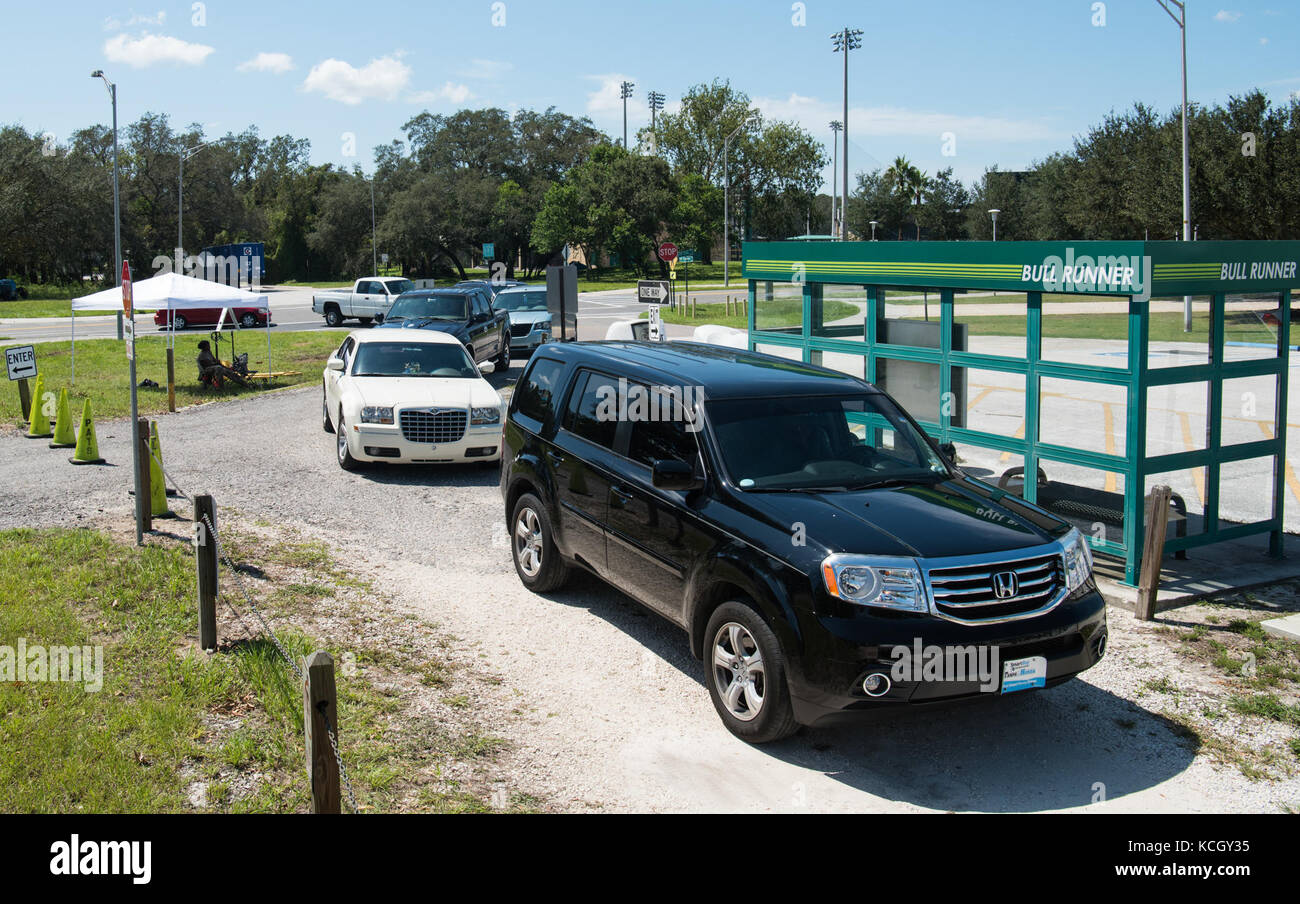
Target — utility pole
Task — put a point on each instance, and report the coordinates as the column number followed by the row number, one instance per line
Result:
column 836, row 125
column 1181, row 20
column 374, row 244
column 117, row 209
column 625, row 91
column 843, row 41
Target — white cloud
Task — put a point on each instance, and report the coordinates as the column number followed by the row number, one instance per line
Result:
column 450, row 91
column 149, row 49
column 607, row 98
column 382, row 79
column 278, row 63
column 114, row 24
column 814, row 114
column 1227, row 15
column 1263, row 41
column 486, row 69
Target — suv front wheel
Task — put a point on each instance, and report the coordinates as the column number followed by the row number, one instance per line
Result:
column 746, row 675
column 532, row 546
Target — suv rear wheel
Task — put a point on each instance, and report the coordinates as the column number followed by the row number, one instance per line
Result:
column 746, row 675
column 532, row 546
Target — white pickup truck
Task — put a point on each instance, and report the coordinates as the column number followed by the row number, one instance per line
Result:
column 368, row 300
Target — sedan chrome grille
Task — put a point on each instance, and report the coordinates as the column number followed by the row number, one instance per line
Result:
column 983, row 590
column 433, row 426
column 519, row 330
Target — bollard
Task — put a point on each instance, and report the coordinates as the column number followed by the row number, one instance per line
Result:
column 1153, row 552
column 322, row 767
column 205, row 546
column 25, row 399
column 144, row 516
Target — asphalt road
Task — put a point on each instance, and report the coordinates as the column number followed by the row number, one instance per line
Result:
column 610, row 708
column 291, row 311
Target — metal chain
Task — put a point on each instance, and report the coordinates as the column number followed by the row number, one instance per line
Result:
column 297, row 670
column 322, row 706
column 167, row 478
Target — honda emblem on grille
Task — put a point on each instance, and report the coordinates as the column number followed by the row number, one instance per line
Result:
column 1006, row 585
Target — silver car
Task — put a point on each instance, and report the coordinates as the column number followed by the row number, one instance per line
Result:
column 530, row 319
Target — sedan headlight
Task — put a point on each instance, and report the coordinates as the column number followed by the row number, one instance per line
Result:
column 377, row 415
column 1077, row 558
column 875, row 581
column 484, row 417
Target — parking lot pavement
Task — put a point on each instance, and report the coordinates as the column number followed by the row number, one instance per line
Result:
column 609, row 708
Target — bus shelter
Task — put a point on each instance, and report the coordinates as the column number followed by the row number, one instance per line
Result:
column 1062, row 371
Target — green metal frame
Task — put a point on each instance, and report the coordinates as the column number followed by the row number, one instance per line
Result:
column 1159, row 268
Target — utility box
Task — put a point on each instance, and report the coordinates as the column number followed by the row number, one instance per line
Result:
column 562, row 302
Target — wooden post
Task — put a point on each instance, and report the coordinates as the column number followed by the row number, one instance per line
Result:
column 25, row 399
column 205, row 513
column 171, row 378
column 322, row 768
column 1153, row 551
column 143, row 509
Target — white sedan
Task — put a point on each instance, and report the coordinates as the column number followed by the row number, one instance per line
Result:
column 409, row 396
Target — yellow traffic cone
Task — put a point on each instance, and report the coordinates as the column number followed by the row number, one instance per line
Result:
column 38, row 421
column 157, row 480
column 87, row 445
column 65, row 435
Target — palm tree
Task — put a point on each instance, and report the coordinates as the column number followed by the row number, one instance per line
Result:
column 910, row 184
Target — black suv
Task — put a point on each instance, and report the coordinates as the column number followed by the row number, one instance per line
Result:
column 797, row 523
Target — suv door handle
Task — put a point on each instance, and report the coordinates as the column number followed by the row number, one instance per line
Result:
column 555, row 457
column 620, row 497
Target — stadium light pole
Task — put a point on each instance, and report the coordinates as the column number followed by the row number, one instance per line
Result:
column 994, row 214
column 836, row 125
column 117, row 209
column 186, row 154
column 656, row 104
column 843, row 41
column 1181, row 21
column 625, row 91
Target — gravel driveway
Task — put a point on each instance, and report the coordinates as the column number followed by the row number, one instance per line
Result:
column 604, row 705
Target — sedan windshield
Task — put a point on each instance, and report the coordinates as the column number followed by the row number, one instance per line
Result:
column 821, row 443
column 415, row 359
column 429, row 307
column 521, row 301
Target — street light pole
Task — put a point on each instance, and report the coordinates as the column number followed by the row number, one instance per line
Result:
column 726, row 203
column 836, row 125
column 1181, row 21
column 843, row 41
column 117, row 209
column 874, row 224
column 994, row 213
column 625, row 91
column 186, row 154
column 374, row 244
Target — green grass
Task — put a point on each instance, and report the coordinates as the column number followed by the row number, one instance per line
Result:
column 103, row 376
column 1164, row 327
column 49, row 301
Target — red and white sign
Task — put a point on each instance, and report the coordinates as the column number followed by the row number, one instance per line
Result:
column 126, row 288
column 667, row 252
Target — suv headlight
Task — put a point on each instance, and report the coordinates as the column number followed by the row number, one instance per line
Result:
column 376, row 415
column 1077, row 559
column 484, row 417
column 875, row 581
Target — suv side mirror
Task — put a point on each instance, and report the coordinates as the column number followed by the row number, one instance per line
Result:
column 671, row 474
column 949, row 451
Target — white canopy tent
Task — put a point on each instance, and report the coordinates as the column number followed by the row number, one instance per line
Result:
column 174, row 292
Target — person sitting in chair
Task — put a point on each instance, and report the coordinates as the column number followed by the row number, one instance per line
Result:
column 211, row 371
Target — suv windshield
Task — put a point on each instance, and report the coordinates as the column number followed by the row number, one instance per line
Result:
column 821, row 443
column 415, row 359
column 429, row 307
column 521, row 301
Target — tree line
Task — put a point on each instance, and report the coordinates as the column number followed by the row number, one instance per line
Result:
column 535, row 181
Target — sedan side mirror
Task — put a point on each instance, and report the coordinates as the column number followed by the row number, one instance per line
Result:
column 335, row 364
column 487, row 367
column 671, row 474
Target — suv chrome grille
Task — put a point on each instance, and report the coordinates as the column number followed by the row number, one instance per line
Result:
column 434, row 426
column 519, row 330
column 992, row 590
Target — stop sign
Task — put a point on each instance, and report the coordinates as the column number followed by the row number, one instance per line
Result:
column 126, row 288
column 667, row 252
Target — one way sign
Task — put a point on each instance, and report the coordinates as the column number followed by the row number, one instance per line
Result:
column 652, row 291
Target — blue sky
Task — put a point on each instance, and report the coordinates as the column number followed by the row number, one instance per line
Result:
column 1012, row 80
